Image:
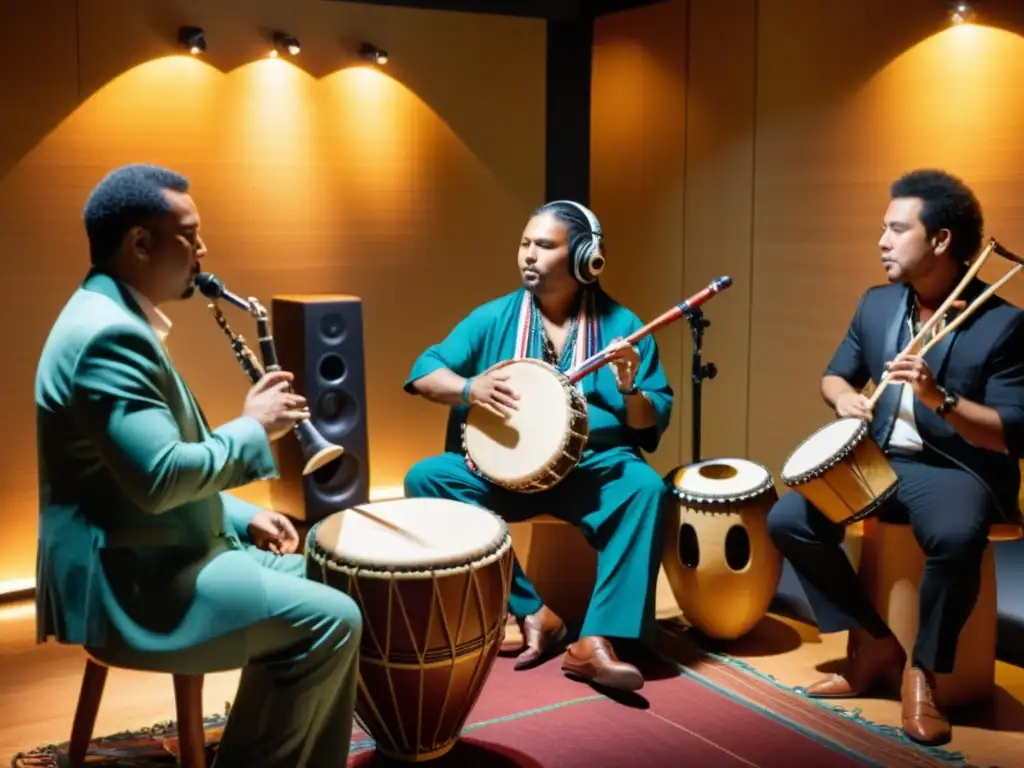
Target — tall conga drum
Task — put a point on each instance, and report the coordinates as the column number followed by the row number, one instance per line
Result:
column 718, row 558
column 432, row 579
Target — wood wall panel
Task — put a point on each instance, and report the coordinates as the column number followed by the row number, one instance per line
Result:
column 408, row 185
column 846, row 105
column 798, row 116
column 719, row 214
column 637, row 176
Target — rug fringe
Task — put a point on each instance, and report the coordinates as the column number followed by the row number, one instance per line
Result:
column 853, row 715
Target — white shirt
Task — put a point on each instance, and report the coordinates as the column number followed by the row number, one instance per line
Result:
column 160, row 322
column 904, row 432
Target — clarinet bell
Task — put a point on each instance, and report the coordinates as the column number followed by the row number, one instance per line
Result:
column 316, row 450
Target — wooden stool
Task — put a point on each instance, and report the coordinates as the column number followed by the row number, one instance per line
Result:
column 188, row 701
column 891, row 565
column 562, row 566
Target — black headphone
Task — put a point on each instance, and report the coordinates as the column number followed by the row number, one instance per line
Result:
column 587, row 259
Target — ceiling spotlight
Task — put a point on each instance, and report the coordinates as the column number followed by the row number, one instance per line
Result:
column 373, row 53
column 283, row 42
column 192, row 39
column 960, row 12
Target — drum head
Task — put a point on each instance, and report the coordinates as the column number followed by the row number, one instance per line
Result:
column 822, row 448
column 721, row 480
column 532, row 438
column 411, row 534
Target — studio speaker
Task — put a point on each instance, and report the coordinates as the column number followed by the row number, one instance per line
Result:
column 319, row 338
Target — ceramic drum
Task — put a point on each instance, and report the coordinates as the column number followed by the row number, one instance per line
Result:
column 841, row 471
column 432, row 579
column 538, row 445
column 722, row 566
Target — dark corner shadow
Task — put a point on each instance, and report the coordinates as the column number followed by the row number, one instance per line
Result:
column 770, row 637
column 1002, row 713
column 467, row 752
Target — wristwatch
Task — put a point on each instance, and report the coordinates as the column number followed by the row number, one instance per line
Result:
column 949, row 401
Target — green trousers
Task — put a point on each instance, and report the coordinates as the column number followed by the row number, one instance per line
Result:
column 614, row 497
column 299, row 660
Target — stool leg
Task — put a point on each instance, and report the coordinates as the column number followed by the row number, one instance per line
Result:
column 188, row 700
column 93, row 680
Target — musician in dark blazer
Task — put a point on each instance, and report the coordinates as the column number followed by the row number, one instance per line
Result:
column 952, row 426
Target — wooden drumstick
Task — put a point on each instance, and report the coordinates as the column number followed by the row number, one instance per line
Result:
column 941, row 311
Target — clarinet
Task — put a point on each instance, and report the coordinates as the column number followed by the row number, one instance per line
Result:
column 316, row 450
column 245, row 356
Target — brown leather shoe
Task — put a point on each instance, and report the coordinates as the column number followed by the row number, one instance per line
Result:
column 544, row 632
column 922, row 720
column 869, row 661
column 513, row 641
column 593, row 659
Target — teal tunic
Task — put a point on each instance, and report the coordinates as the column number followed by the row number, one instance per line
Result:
column 613, row 495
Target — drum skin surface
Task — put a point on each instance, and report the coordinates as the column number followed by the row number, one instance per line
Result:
column 718, row 558
column 841, row 471
column 540, row 443
column 432, row 579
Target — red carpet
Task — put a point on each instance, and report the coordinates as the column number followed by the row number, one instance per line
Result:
column 540, row 719
column 702, row 710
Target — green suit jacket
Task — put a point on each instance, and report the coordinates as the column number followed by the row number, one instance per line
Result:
column 131, row 481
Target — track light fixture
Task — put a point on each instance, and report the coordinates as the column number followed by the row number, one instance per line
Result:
column 961, row 12
column 371, row 52
column 192, row 39
column 285, row 43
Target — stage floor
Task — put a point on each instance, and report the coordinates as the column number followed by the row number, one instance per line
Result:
column 41, row 683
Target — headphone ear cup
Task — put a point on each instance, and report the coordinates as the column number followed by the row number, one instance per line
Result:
column 589, row 261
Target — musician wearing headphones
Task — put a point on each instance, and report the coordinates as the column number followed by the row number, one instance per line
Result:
column 561, row 315
column 952, row 426
column 142, row 559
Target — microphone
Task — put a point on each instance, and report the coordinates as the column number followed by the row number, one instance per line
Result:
column 714, row 288
column 212, row 287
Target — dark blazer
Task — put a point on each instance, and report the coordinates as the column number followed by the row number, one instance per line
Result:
column 982, row 361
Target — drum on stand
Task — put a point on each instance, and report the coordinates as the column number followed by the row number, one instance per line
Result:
column 841, row 471
column 539, row 444
column 718, row 558
column 432, row 579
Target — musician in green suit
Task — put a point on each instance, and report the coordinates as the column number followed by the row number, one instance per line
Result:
column 143, row 559
column 561, row 315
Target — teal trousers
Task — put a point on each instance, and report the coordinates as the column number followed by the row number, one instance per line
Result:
column 299, row 660
column 614, row 497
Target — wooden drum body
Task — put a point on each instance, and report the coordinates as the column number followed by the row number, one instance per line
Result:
column 841, row 470
column 718, row 558
column 432, row 579
column 535, row 448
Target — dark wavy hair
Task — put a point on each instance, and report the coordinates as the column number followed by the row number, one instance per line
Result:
column 576, row 224
column 127, row 197
column 947, row 203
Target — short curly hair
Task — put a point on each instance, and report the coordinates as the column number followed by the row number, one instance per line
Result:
column 948, row 203
column 126, row 198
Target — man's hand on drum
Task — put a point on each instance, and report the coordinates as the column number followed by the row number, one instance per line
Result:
column 853, row 405
column 913, row 370
column 491, row 391
column 273, row 532
column 624, row 361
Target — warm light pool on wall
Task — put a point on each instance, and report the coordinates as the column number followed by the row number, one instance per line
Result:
column 285, row 44
column 372, row 53
column 192, row 39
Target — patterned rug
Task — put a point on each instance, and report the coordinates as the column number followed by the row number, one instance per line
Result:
column 711, row 708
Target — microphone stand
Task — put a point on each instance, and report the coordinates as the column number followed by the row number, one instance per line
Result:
column 700, row 372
